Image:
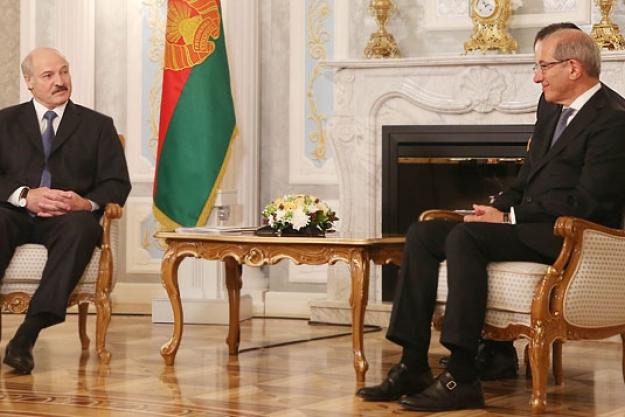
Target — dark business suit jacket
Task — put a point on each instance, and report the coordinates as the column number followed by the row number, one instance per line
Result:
column 582, row 175
column 86, row 157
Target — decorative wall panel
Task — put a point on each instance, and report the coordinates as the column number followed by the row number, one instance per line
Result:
column 454, row 14
column 10, row 54
column 310, row 155
column 146, row 32
column 143, row 252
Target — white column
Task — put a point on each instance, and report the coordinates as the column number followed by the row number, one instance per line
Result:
column 241, row 19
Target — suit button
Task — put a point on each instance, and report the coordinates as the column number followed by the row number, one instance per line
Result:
column 528, row 199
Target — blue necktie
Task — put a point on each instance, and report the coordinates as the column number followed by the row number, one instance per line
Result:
column 46, row 139
column 564, row 117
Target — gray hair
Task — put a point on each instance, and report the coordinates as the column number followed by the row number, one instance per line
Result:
column 27, row 63
column 575, row 44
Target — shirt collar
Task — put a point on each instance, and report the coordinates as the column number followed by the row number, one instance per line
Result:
column 583, row 98
column 40, row 109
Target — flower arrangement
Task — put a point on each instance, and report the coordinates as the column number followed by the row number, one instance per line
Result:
column 299, row 212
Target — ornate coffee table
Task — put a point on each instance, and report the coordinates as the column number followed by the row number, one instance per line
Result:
column 247, row 249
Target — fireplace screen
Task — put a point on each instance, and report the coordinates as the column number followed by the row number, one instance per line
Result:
column 446, row 167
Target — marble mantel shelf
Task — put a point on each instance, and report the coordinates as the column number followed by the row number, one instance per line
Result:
column 477, row 59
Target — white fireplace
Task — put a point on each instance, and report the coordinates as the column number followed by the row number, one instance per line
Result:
column 475, row 89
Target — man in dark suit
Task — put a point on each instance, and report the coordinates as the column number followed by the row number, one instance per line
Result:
column 575, row 167
column 60, row 164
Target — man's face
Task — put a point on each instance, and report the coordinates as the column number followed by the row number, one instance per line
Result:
column 50, row 82
column 552, row 74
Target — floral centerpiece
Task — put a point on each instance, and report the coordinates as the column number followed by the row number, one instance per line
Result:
column 299, row 214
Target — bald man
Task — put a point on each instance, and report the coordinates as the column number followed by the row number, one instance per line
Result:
column 60, row 164
column 575, row 167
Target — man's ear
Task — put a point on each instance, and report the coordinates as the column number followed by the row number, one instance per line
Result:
column 28, row 81
column 576, row 69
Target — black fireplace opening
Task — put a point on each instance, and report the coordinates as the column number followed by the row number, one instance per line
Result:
column 443, row 166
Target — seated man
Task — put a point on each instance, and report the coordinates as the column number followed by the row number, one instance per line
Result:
column 60, row 164
column 575, row 167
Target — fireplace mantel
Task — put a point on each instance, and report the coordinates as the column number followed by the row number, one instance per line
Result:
column 445, row 60
column 469, row 89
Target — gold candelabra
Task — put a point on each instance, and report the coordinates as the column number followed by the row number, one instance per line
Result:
column 381, row 43
column 606, row 33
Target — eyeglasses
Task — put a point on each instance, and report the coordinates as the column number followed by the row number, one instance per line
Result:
column 546, row 65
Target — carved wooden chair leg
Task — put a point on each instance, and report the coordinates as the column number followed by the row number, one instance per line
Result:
column 83, row 309
column 623, row 359
column 103, row 318
column 557, row 362
column 539, row 360
column 526, row 360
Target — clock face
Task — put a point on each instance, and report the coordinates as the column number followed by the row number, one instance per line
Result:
column 485, row 8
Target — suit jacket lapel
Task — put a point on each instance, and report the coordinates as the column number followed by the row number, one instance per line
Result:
column 581, row 120
column 69, row 123
column 30, row 124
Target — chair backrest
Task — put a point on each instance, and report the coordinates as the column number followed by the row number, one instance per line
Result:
column 595, row 296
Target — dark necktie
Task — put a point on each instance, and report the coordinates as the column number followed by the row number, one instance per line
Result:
column 564, row 117
column 46, row 139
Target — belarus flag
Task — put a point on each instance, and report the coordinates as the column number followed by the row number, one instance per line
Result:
column 197, row 123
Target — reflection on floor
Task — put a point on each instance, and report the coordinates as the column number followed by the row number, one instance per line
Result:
column 313, row 378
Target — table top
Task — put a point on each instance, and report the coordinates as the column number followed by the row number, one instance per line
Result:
column 351, row 239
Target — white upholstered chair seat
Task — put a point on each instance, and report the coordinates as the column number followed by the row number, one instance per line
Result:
column 511, row 286
column 26, row 267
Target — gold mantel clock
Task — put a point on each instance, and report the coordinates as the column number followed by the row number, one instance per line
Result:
column 490, row 27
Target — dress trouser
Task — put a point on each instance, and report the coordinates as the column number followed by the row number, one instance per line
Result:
column 70, row 240
column 468, row 248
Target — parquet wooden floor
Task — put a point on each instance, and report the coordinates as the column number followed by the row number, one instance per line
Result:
column 313, row 378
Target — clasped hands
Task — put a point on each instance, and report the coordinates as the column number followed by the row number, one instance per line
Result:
column 485, row 214
column 50, row 202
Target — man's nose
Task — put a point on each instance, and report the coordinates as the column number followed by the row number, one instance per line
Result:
column 538, row 77
column 58, row 80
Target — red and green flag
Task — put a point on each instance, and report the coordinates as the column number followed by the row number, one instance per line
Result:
column 197, row 123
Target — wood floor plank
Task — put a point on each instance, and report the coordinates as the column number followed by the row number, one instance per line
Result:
column 311, row 378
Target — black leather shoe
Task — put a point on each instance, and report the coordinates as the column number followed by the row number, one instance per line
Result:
column 446, row 394
column 398, row 382
column 19, row 357
column 500, row 362
column 496, row 360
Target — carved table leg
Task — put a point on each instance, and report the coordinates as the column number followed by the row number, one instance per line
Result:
column 169, row 279
column 234, row 284
column 359, row 268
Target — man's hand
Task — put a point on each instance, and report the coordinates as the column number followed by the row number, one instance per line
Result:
column 47, row 202
column 486, row 214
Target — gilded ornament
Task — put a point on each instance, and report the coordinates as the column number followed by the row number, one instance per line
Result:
column 490, row 27
column 156, row 23
column 381, row 43
column 606, row 33
column 318, row 37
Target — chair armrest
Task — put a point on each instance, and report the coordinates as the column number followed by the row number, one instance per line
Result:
column 572, row 230
column 440, row 215
column 112, row 211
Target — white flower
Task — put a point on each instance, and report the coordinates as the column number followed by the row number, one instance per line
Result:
column 300, row 219
column 280, row 215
